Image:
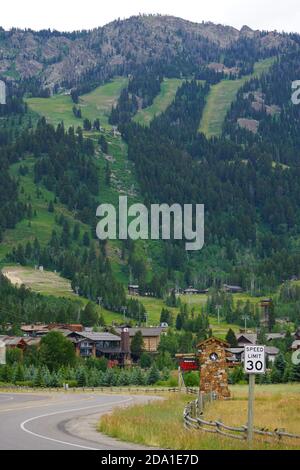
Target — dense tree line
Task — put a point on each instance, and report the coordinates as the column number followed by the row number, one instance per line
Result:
column 19, row 305
column 64, row 165
column 145, row 83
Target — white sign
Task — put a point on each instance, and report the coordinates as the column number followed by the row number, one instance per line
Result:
column 2, row 92
column 2, row 353
column 254, row 360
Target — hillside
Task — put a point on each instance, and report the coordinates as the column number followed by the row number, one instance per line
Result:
column 148, row 94
column 221, row 97
column 161, row 102
column 93, row 105
column 67, row 59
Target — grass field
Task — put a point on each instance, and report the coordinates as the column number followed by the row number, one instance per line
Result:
column 169, row 88
column 160, row 424
column 222, row 95
column 96, row 104
column 43, row 282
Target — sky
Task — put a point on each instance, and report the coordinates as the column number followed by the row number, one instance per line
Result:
column 69, row 15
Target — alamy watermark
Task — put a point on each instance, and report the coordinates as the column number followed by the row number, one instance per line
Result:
column 160, row 222
column 2, row 92
column 296, row 92
column 296, row 357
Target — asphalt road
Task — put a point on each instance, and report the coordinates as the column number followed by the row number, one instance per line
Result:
column 58, row 421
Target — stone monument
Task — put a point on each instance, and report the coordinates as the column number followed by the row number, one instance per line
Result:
column 213, row 367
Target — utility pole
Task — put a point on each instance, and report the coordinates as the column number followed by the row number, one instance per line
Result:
column 218, row 310
column 245, row 318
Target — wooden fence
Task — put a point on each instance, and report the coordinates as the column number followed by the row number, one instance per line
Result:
column 114, row 389
column 193, row 419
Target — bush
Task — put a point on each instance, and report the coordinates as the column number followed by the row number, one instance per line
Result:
column 145, row 360
column 24, row 383
column 153, row 376
column 191, row 379
column 72, row 383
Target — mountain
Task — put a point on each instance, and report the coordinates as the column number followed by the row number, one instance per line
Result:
column 204, row 115
column 68, row 59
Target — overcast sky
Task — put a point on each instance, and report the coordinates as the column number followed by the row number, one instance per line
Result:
column 69, row 15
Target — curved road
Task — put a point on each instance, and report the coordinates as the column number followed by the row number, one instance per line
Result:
column 58, row 421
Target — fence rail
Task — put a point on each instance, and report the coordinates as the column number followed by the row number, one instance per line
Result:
column 113, row 389
column 193, row 420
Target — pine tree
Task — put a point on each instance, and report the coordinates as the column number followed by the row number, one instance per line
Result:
column 231, row 338
column 153, row 375
column 51, row 207
column 137, row 345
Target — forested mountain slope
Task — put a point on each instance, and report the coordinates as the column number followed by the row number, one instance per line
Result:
column 247, row 176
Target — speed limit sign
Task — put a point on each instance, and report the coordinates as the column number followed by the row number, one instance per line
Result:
column 254, row 360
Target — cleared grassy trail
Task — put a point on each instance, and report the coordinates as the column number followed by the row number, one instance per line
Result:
column 222, row 95
column 169, row 88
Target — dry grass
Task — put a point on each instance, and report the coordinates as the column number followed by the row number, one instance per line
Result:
column 160, row 424
column 44, row 282
column 276, row 406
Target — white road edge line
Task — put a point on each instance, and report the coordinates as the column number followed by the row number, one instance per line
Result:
column 41, row 436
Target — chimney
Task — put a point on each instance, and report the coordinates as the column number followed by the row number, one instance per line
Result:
column 125, row 346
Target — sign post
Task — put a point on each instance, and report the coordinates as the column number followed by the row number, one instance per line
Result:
column 254, row 363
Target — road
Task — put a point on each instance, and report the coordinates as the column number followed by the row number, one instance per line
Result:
column 58, row 421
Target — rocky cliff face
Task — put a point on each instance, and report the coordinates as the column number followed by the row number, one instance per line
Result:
column 66, row 58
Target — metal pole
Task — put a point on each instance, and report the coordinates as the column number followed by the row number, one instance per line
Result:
column 250, row 408
column 179, row 378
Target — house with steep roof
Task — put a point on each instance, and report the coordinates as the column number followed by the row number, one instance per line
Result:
column 151, row 336
column 96, row 344
column 244, row 339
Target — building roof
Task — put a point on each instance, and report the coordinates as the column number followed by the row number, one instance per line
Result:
column 235, row 350
column 250, row 337
column 32, row 341
column 271, row 336
column 213, row 338
column 12, row 340
column 295, row 344
column 146, row 332
column 33, row 328
column 228, row 286
column 63, row 331
column 271, row 350
column 98, row 336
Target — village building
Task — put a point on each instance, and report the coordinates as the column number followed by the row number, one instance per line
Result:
column 133, row 289
column 236, row 355
column 274, row 336
column 95, row 344
column 190, row 291
column 245, row 339
column 151, row 336
column 13, row 342
column 42, row 329
column 232, row 289
column 297, row 334
column 295, row 345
